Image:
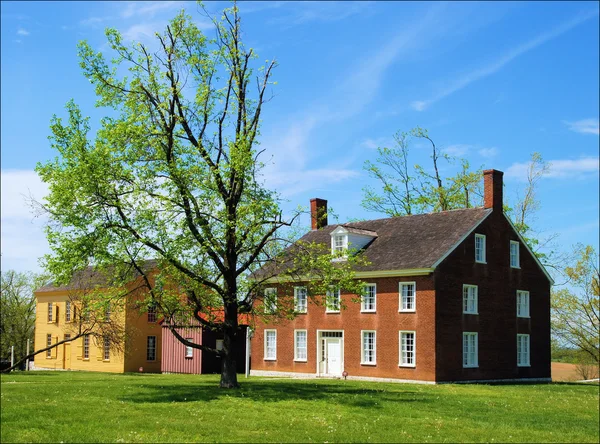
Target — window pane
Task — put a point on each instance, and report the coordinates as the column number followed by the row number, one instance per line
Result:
column 407, row 348
column 369, row 346
column 301, row 345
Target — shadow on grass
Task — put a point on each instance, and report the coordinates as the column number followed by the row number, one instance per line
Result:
column 267, row 391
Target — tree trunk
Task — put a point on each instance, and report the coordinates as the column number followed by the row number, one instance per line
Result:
column 228, row 371
column 230, row 330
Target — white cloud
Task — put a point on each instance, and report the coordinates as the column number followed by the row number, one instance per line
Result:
column 373, row 144
column 142, row 32
column 290, row 183
column 457, row 150
column 150, row 9
column 22, row 237
column 487, row 70
column 585, row 126
column 488, row 152
column 560, row 169
column 22, row 31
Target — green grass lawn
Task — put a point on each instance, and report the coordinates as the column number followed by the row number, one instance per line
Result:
column 95, row 407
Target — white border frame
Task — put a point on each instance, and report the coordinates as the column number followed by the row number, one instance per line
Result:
column 319, row 357
column 528, row 350
column 481, row 236
column 476, row 312
column 296, row 359
column 400, row 364
column 528, row 304
column 462, row 356
column 362, row 305
column 400, row 284
column 296, row 299
column 518, row 244
column 362, row 347
column 327, row 310
column 265, row 345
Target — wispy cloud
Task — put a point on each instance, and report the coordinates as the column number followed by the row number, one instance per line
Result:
column 291, row 154
column 150, row 9
column 298, row 13
column 489, row 69
column 488, row 152
column 290, row 183
column 457, row 150
column 585, row 126
column 373, row 144
column 581, row 168
column 22, row 237
column 22, row 31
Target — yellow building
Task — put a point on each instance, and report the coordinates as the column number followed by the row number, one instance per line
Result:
column 58, row 318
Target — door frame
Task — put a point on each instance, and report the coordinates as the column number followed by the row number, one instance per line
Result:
column 319, row 350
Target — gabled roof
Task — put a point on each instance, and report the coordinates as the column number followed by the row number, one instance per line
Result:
column 409, row 242
column 90, row 278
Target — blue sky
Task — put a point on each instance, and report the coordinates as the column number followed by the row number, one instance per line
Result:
column 493, row 82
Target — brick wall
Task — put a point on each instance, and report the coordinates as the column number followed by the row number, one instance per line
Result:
column 497, row 322
column 387, row 322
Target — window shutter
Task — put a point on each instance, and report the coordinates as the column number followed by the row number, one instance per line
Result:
column 99, row 353
column 55, row 349
column 55, row 318
column 80, row 352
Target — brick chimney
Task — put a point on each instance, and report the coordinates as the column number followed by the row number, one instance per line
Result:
column 318, row 213
column 492, row 189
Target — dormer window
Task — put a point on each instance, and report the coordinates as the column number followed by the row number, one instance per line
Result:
column 340, row 243
column 344, row 238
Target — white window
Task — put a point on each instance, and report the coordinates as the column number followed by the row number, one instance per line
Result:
column 270, row 300
column 300, row 300
column 368, row 299
column 270, row 345
column 470, row 299
column 68, row 311
column 480, row 248
column 514, row 254
column 300, row 351
column 368, row 347
column 332, row 301
column 407, row 349
column 151, row 348
column 86, row 346
column 50, row 312
column 189, row 351
column 219, row 344
column 339, row 244
column 523, row 351
column 407, row 296
column 48, row 344
column 522, row 304
column 106, row 348
column 470, row 345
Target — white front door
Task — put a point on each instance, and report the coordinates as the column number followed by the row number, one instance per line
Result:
column 334, row 356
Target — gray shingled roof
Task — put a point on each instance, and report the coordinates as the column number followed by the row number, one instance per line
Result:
column 90, row 278
column 408, row 242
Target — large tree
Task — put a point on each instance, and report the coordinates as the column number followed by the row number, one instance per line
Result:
column 17, row 311
column 576, row 307
column 407, row 188
column 173, row 175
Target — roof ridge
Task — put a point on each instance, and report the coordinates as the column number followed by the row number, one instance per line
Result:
column 431, row 213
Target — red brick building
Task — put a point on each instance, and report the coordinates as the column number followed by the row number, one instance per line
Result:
column 452, row 296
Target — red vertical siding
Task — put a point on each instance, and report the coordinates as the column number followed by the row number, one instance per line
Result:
column 173, row 352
